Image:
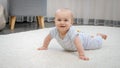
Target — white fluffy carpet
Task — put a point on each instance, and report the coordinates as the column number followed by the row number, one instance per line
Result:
column 19, row 50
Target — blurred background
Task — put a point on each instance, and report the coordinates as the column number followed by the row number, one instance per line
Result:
column 86, row 12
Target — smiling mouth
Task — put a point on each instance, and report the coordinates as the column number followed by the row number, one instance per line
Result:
column 62, row 26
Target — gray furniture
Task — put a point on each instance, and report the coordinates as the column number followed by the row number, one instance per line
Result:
column 36, row 8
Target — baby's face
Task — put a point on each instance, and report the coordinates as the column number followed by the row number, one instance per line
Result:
column 63, row 21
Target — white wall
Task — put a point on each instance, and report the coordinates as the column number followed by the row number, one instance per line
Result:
column 97, row 9
column 53, row 5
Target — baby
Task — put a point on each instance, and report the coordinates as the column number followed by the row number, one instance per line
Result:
column 70, row 39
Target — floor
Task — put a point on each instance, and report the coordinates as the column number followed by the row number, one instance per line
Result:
column 24, row 26
column 19, row 50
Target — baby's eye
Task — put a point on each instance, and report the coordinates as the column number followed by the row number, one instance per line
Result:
column 65, row 20
column 58, row 19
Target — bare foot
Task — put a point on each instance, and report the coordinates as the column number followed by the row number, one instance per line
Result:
column 78, row 30
column 104, row 36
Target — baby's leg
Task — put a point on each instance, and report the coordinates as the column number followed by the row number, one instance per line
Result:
column 102, row 35
column 94, row 42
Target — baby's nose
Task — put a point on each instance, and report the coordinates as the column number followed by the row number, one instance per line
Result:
column 62, row 22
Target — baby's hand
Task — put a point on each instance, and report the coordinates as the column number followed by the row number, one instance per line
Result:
column 42, row 48
column 84, row 57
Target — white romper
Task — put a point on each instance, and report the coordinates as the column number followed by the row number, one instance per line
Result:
column 68, row 41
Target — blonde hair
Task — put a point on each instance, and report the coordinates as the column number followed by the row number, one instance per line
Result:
column 68, row 10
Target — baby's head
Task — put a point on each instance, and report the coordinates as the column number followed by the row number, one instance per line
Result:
column 64, row 13
column 63, row 18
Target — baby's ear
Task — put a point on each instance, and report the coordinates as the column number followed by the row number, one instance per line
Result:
column 73, row 21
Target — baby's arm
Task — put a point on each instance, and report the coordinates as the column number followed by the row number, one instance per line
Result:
column 80, row 49
column 46, row 43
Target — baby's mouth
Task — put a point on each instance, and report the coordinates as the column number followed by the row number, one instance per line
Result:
column 62, row 26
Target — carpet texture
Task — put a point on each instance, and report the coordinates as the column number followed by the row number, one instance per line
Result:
column 19, row 50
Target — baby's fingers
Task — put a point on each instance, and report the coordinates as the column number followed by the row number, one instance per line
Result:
column 42, row 48
column 84, row 58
